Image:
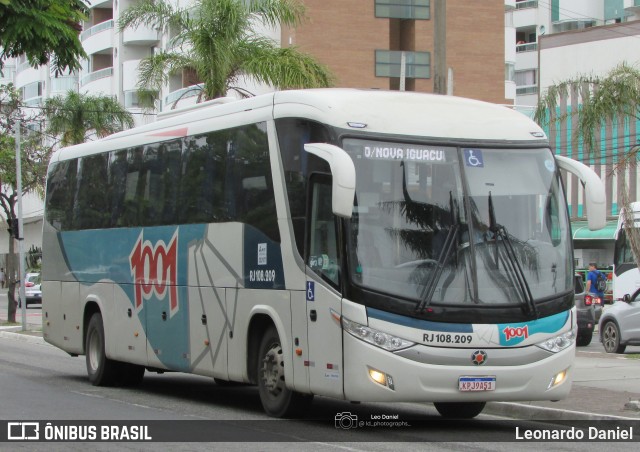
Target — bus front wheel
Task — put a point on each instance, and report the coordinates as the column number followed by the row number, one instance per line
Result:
column 459, row 410
column 276, row 398
column 102, row 370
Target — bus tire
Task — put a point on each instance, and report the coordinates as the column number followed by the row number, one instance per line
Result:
column 459, row 410
column 102, row 371
column 277, row 400
column 611, row 338
column 584, row 340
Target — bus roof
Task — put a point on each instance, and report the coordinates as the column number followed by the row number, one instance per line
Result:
column 375, row 111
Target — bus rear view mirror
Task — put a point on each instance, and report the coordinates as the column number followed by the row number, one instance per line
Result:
column 343, row 173
column 595, row 198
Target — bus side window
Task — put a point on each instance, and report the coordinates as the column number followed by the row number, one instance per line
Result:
column 323, row 252
column 61, row 188
column 91, row 210
column 553, row 221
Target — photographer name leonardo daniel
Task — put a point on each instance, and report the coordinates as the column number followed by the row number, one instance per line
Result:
column 574, row 433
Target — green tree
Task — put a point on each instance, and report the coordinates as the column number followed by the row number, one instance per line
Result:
column 75, row 116
column 43, row 30
column 613, row 97
column 34, row 160
column 215, row 40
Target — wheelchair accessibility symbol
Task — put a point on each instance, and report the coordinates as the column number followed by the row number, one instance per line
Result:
column 311, row 291
column 473, row 157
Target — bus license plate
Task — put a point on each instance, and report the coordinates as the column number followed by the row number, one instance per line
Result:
column 484, row 383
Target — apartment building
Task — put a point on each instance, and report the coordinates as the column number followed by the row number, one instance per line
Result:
column 593, row 51
column 533, row 19
column 362, row 41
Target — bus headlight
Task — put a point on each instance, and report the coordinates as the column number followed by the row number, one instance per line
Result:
column 375, row 337
column 560, row 342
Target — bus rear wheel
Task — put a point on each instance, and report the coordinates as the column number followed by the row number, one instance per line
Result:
column 459, row 410
column 102, row 371
column 277, row 400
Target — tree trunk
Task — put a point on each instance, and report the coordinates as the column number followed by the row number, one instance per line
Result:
column 11, row 282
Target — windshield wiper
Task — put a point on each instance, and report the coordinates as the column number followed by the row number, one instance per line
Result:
column 445, row 253
column 512, row 265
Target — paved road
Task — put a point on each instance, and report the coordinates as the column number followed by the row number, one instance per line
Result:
column 45, row 383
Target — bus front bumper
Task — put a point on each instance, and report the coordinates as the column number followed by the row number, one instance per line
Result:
column 373, row 374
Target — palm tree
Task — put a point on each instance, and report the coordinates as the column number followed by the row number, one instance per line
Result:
column 215, row 40
column 616, row 96
column 76, row 115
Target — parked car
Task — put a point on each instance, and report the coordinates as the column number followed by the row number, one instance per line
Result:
column 586, row 313
column 32, row 291
column 620, row 324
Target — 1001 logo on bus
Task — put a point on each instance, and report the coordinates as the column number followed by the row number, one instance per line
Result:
column 511, row 332
column 154, row 269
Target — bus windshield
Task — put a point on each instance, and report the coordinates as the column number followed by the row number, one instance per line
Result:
column 455, row 225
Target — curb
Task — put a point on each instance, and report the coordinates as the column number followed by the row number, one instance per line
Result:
column 523, row 411
column 14, row 332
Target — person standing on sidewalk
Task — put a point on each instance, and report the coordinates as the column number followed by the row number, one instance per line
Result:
column 2, row 278
column 592, row 281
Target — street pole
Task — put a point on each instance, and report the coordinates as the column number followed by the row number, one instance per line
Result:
column 440, row 47
column 403, row 69
column 21, row 272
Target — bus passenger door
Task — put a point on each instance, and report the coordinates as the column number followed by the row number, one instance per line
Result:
column 322, row 292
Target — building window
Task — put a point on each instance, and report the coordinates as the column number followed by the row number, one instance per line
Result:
column 31, row 90
column 403, row 9
column 526, row 78
column 389, row 62
column 510, row 71
column 131, row 99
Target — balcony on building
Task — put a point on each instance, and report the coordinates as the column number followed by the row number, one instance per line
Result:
column 31, row 94
column 184, row 97
column 526, row 39
column 25, row 73
column 99, row 37
column 8, row 74
column 140, row 36
column 525, row 14
column 100, row 78
column 526, row 4
column 99, row 31
column 59, row 86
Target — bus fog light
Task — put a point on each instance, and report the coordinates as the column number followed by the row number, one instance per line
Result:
column 560, row 342
column 381, row 378
column 558, row 378
column 375, row 337
column 378, row 377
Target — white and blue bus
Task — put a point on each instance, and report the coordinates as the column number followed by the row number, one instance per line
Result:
column 361, row 245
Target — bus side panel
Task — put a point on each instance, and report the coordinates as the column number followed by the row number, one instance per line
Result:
column 299, row 332
column 129, row 328
column 326, row 369
column 209, row 331
column 242, row 305
column 215, row 262
column 51, row 331
column 68, row 317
